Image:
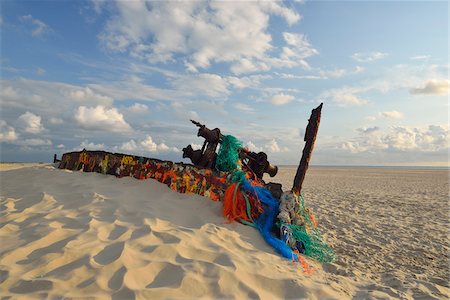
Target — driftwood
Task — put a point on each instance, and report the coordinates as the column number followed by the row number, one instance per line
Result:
column 310, row 138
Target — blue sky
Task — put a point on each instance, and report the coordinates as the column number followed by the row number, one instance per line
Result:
column 127, row 76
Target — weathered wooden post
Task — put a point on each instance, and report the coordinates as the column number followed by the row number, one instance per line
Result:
column 310, row 138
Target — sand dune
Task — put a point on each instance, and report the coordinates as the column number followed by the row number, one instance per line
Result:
column 74, row 234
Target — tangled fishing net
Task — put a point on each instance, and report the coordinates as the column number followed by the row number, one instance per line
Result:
column 309, row 236
column 255, row 206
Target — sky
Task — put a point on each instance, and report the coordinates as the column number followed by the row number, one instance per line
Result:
column 127, row 76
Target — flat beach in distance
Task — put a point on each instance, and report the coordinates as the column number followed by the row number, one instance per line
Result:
column 74, row 234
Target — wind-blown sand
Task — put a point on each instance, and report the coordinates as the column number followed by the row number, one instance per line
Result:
column 74, row 234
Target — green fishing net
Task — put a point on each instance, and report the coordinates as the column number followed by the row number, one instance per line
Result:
column 310, row 237
column 228, row 156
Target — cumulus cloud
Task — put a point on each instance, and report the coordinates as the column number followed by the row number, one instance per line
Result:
column 146, row 145
column 273, row 147
column 138, row 108
column 90, row 146
column 196, row 146
column 386, row 114
column 101, row 118
column 47, row 98
column 439, row 87
column 392, row 114
column 346, row 96
column 38, row 28
column 281, row 99
column 201, row 33
column 399, row 138
column 252, row 147
column 31, row 123
column 369, row 56
column 7, row 133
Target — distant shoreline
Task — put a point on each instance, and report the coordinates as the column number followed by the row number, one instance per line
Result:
column 370, row 167
column 311, row 166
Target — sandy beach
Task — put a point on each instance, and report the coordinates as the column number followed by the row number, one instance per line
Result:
column 73, row 234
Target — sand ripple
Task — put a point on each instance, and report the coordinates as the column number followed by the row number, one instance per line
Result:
column 87, row 235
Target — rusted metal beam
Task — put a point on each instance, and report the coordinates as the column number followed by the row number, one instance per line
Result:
column 310, row 138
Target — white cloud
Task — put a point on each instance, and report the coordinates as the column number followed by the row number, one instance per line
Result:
column 397, row 77
column 420, row 57
column 386, row 114
column 338, row 73
column 87, row 94
column 281, row 99
column 201, row 33
column 369, row 57
column 90, row 146
column 392, row 114
column 252, row 147
column 38, row 29
column 323, row 74
column 47, row 98
column 184, row 112
column 146, row 145
column 246, row 81
column 273, row 147
column 196, row 146
column 7, row 133
column 31, row 123
column 399, row 138
column 293, row 76
column 346, row 96
column 34, row 142
column 244, row 108
column 206, row 84
column 56, row 121
column 138, row 108
column 101, row 118
column 439, row 87
column 129, row 146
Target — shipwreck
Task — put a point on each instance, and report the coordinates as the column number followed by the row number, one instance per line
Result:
column 223, row 170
